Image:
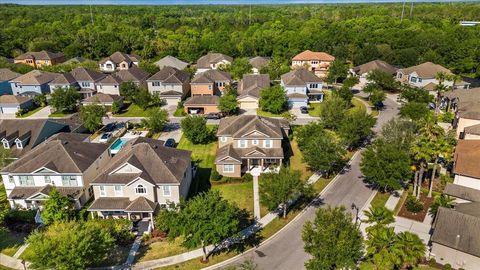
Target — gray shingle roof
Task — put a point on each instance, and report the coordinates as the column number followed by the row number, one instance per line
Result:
column 42, row 55
column 299, row 76
column 103, row 98
column 35, row 77
column 170, row 61
column 118, row 57
column 458, row 228
column 7, row 75
column 462, row 192
column 211, row 76
column 237, row 126
column 426, row 70
column 239, row 153
column 374, row 65
column 70, row 155
column 12, row 99
column 19, row 193
column 171, row 75
column 109, row 204
column 83, row 74
column 63, row 79
column 251, row 85
column 132, row 74
column 159, row 164
column 141, row 204
column 475, row 129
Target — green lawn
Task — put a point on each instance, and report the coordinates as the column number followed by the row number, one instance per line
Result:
column 179, row 112
column 10, row 242
column 29, row 113
column 380, row 199
column 268, row 114
column 240, row 193
column 133, row 110
column 161, row 249
column 314, row 109
column 59, row 114
column 296, row 161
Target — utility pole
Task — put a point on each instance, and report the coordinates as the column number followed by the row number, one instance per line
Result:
column 411, row 10
column 403, row 11
column 250, row 15
column 91, row 13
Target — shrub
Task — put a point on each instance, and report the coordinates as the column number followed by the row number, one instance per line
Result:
column 215, row 176
column 159, row 234
column 20, row 216
column 446, row 117
column 447, row 266
column 432, row 262
column 413, row 205
column 119, row 229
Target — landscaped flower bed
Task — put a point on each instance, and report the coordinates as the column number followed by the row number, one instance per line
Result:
column 420, row 215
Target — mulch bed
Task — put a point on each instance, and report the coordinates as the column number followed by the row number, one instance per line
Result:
column 420, row 216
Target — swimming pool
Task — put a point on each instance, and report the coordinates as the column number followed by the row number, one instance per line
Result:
column 117, row 145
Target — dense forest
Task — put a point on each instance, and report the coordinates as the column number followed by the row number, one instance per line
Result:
column 357, row 33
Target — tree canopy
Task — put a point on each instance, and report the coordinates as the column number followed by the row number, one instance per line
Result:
column 333, row 111
column 92, row 116
column 64, row 99
column 57, row 208
column 157, row 120
column 273, row 100
column 195, row 129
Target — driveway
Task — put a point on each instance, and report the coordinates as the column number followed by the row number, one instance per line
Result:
column 285, row 250
column 173, row 130
column 42, row 114
column 7, row 116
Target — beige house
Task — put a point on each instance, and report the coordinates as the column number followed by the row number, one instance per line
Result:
column 248, row 141
column 466, row 105
column 212, row 61
column 249, row 89
column 142, row 177
column 104, row 100
column 40, row 59
column 66, row 160
column 363, row 70
column 258, row 62
column 171, row 84
column 317, row 62
column 118, row 61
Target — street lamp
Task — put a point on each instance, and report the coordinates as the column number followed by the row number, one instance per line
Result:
column 354, row 207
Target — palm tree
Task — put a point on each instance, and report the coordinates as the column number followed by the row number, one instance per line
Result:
column 441, row 201
column 379, row 238
column 409, row 249
column 442, row 77
column 378, row 216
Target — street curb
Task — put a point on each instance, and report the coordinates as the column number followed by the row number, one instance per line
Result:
column 327, row 187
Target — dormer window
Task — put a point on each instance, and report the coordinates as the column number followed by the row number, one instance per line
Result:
column 5, row 143
column 140, row 189
column 255, row 142
column 19, row 144
column 242, row 144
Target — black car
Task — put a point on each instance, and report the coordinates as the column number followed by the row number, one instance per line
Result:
column 304, row 110
column 212, row 116
column 109, row 127
column 170, row 142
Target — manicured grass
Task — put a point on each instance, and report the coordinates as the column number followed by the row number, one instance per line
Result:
column 296, row 161
column 161, row 249
column 380, row 199
column 179, row 112
column 10, row 242
column 268, row 114
column 314, row 109
column 59, row 114
column 357, row 103
column 117, row 256
column 241, row 194
column 29, row 113
column 133, row 110
column 195, row 264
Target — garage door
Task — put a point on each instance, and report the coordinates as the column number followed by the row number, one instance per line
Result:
column 248, row 105
column 297, row 103
column 9, row 110
column 172, row 101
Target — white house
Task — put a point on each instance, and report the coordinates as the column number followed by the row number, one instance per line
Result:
column 423, row 76
column 10, row 104
column 66, row 161
column 170, row 83
column 363, row 70
column 302, row 86
column 118, row 61
column 213, row 61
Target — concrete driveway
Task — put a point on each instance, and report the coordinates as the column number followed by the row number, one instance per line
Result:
column 173, row 130
column 7, row 116
column 42, row 114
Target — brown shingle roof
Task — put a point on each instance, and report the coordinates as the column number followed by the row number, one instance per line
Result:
column 118, row 57
column 228, row 151
column 458, row 228
column 475, row 129
column 12, row 99
column 132, row 74
column 103, row 98
column 212, row 58
column 141, row 204
column 299, row 76
column 7, row 75
column 202, row 100
column 63, row 79
column 375, row 65
column 42, row 55
column 67, row 155
column 250, row 85
column 109, row 204
column 238, row 126
column 426, row 70
column 26, row 192
column 212, row 76
column 258, row 62
column 35, row 77
column 109, row 79
column 170, row 75
column 309, row 55
column 159, row 164
column 466, row 158
column 83, row 74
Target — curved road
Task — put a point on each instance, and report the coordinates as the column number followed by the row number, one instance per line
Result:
column 285, row 250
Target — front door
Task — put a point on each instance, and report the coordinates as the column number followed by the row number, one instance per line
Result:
column 255, row 162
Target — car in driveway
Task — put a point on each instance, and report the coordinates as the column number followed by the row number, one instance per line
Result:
column 105, row 137
column 109, row 127
column 170, row 142
column 304, row 110
column 213, row 116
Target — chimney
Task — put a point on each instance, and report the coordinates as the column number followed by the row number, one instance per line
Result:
column 457, row 241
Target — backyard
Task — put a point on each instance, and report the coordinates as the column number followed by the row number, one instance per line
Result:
column 133, row 110
column 314, row 109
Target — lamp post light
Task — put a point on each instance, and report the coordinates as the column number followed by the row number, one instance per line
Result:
column 354, row 207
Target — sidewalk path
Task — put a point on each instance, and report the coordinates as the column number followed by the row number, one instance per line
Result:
column 11, row 262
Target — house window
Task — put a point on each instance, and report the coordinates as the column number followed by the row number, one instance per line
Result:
column 140, row 189
column 242, row 144
column 267, row 143
column 156, row 83
column 209, row 87
column 47, row 179
column 166, row 190
column 118, row 191
column 223, row 139
column 102, row 191
column 314, row 85
column 85, row 84
column 314, row 62
column 255, row 142
column 228, row 168
column 69, row 180
column 10, row 179
column 19, row 144
column 26, row 180
column 419, row 80
column 413, row 79
column 400, row 75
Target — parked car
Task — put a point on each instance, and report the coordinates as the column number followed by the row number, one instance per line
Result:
column 212, row 116
column 105, row 137
column 304, row 110
column 170, row 142
column 110, row 127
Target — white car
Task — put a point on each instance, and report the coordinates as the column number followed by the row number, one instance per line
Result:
column 105, row 137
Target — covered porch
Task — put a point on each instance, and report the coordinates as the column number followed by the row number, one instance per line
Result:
column 263, row 165
column 315, row 96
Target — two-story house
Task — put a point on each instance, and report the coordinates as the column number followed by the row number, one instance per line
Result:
column 465, row 103
column 249, row 89
column 85, row 80
column 212, row 61
column 118, row 61
column 66, row 161
column 363, row 70
column 109, row 85
column 6, row 75
column 32, row 83
column 317, row 62
column 258, row 62
column 64, row 80
column 249, row 141
column 170, row 83
column 142, row 177
column 302, row 86
column 206, row 87
column 40, row 59
column 424, row 76
column 133, row 74
column 170, row 61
